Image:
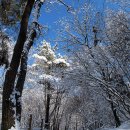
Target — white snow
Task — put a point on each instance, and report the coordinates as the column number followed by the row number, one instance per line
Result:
column 124, row 126
column 40, row 57
column 12, row 128
column 13, row 100
column 49, row 78
column 60, row 60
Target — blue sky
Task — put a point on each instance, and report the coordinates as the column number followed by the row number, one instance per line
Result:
column 59, row 11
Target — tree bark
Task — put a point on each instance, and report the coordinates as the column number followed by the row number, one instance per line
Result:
column 42, row 124
column 117, row 120
column 47, row 122
column 114, row 111
column 22, row 74
column 30, row 123
column 8, row 119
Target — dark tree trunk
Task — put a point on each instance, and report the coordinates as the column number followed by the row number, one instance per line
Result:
column 56, row 118
column 7, row 105
column 117, row 120
column 47, row 122
column 42, row 124
column 30, row 123
column 22, row 74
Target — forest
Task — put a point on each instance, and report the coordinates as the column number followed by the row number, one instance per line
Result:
column 64, row 65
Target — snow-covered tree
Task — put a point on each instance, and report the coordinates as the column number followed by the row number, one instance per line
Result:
column 48, row 68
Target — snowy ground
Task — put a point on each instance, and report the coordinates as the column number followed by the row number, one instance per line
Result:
column 124, row 126
column 33, row 129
